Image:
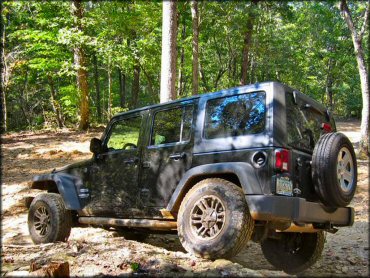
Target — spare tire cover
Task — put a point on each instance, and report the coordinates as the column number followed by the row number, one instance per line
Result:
column 334, row 170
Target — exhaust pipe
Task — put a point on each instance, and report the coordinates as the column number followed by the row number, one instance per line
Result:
column 132, row 223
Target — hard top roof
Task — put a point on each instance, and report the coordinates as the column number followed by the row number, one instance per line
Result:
column 231, row 91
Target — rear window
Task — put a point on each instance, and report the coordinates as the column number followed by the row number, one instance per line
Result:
column 303, row 124
column 235, row 115
column 172, row 125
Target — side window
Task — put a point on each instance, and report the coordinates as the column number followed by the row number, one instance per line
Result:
column 303, row 124
column 172, row 125
column 235, row 115
column 124, row 134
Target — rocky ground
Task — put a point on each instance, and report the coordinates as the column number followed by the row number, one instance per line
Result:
column 97, row 252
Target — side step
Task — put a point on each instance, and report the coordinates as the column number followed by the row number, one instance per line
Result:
column 133, row 223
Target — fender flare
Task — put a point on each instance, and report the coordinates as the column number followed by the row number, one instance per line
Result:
column 67, row 186
column 244, row 171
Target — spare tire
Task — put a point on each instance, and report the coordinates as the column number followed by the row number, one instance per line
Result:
column 334, row 170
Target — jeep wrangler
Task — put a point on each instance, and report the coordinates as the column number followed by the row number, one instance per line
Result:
column 261, row 162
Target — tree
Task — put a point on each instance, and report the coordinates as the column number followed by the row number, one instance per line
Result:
column 247, row 42
column 357, row 37
column 80, row 63
column 97, row 87
column 195, row 48
column 169, row 52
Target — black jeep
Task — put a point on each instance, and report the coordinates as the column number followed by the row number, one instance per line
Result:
column 261, row 162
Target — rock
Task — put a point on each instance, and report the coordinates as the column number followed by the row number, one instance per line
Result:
column 351, row 260
column 8, row 259
column 53, row 269
column 344, row 269
column 221, row 263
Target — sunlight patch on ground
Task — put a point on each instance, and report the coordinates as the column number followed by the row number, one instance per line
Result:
column 7, row 189
column 82, row 147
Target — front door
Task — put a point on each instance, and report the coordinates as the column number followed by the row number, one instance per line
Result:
column 114, row 174
column 167, row 156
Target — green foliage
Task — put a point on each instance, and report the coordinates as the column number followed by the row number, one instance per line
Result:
column 304, row 44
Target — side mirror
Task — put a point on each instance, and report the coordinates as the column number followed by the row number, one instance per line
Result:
column 96, row 146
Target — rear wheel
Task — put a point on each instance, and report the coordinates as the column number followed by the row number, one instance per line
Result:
column 48, row 219
column 214, row 220
column 294, row 252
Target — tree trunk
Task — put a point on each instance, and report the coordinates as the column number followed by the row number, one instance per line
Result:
column 169, row 53
column 80, row 62
column 97, row 88
column 150, row 84
column 4, row 122
column 247, row 43
column 109, row 108
column 329, row 85
column 195, row 49
column 122, row 88
column 203, row 78
column 135, row 86
column 363, row 71
column 180, row 85
column 55, row 104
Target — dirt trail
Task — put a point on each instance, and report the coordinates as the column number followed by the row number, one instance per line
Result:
column 92, row 251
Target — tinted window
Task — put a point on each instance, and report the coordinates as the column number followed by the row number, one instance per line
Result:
column 235, row 115
column 124, row 132
column 303, row 124
column 172, row 125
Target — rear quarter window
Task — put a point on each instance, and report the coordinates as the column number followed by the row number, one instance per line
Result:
column 303, row 124
column 235, row 115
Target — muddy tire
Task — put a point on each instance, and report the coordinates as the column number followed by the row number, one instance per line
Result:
column 214, row 220
column 48, row 219
column 294, row 252
column 334, row 170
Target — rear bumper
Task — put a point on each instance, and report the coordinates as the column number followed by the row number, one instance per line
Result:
column 272, row 208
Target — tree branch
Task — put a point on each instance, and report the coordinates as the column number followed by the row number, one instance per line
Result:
column 348, row 18
column 366, row 18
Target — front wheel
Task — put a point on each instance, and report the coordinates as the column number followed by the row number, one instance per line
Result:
column 214, row 219
column 48, row 219
column 294, row 252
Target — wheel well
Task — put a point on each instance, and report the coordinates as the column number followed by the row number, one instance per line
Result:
column 231, row 177
column 48, row 185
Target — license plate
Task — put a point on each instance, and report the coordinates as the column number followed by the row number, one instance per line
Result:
column 284, row 186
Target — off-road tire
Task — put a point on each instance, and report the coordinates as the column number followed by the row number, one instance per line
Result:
column 59, row 223
column 293, row 262
column 325, row 170
column 236, row 229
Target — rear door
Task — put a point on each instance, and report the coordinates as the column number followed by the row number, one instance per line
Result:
column 168, row 154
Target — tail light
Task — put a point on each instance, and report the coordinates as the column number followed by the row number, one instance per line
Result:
column 282, row 159
column 326, row 127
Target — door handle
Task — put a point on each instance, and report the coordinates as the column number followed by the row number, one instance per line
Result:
column 177, row 156
column 131, row 161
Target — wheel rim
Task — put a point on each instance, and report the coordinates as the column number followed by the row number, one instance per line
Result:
column 41, row 220
column 207, row 217
column 345, row 170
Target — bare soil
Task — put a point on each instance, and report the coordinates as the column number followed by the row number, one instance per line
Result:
column 95, row 252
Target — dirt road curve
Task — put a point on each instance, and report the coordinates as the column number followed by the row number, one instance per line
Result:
column 92, row 252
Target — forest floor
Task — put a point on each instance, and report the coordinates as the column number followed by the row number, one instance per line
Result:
column 98, row 252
